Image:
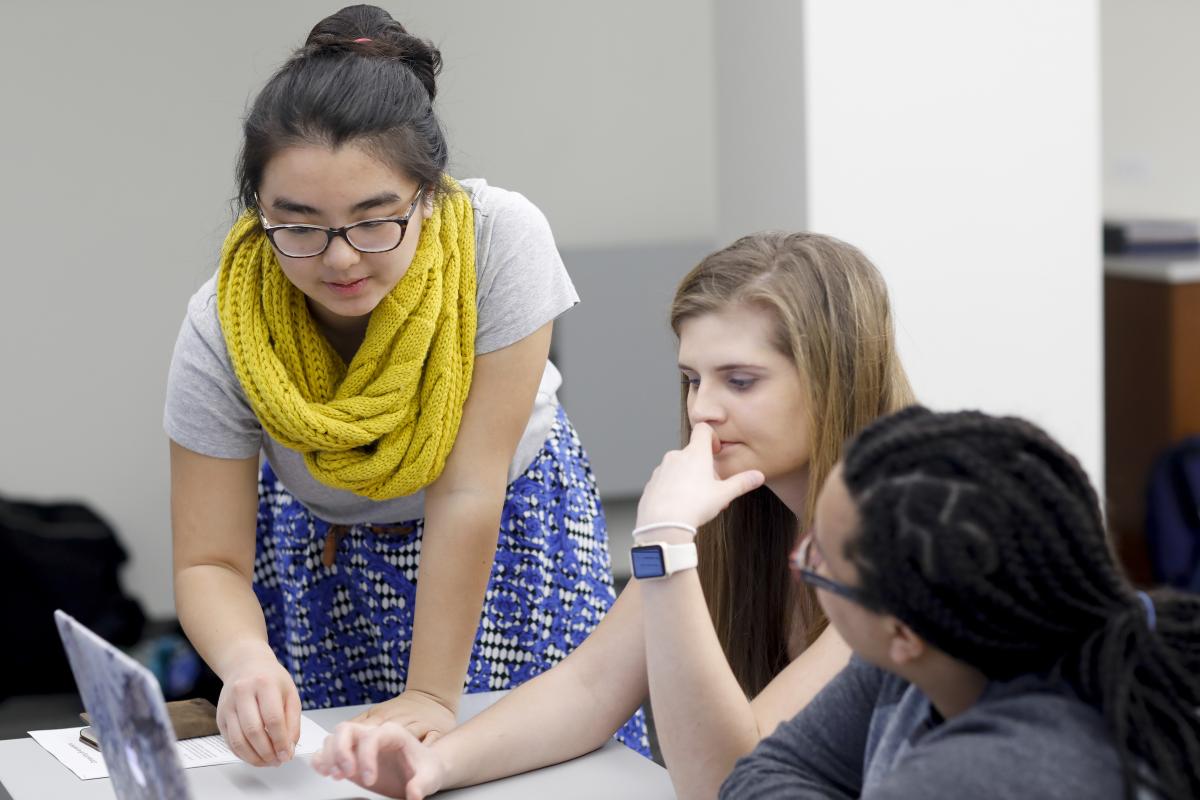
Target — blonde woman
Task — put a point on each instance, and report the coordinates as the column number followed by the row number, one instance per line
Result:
column 786, row 351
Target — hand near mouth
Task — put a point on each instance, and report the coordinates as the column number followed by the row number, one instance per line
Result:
column 686, row 488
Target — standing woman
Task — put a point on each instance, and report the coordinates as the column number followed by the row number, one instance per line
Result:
column 380, row 334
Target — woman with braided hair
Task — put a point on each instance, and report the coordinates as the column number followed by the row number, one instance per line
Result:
column 999, row 649
column 425, row 519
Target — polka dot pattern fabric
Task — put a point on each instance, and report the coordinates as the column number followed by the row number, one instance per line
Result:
column 344, row 632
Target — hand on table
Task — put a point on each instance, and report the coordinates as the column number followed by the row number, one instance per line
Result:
column 383, row 757
column 425, row 717
column 258, row 712
column 685, row 486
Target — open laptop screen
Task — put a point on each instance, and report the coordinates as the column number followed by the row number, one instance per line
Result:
column 127, row 710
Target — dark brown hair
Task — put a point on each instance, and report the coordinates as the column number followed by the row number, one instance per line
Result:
column 832, row 319
column 339, row 89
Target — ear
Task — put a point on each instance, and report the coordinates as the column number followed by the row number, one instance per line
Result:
column 904, row 645
column 427, row 205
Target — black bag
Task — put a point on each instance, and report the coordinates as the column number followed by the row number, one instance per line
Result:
column 57, row 555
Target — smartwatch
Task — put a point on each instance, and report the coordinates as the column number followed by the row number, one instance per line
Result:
column 660, row 560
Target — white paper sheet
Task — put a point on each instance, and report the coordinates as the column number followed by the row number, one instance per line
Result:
column 203, row 751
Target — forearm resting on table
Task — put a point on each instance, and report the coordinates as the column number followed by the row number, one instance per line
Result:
column 563, row 713
column 548, row 720
column 220, row 615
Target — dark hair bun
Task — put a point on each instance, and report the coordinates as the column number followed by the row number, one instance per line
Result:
column 341, row 33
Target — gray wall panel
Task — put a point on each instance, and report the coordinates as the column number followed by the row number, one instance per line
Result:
column 617, row 355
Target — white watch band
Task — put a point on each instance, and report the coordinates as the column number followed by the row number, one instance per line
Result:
column 661, row 560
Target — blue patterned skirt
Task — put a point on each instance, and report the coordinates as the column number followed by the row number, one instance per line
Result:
column 344, row 632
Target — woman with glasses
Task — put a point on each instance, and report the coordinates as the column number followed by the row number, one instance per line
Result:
column 424, row 517
column 786, row 350
column 999, row 649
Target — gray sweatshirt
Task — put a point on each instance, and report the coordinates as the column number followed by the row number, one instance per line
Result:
column 871, row 734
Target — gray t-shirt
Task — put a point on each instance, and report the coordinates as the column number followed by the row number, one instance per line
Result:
column 872, row 734
column 521, row 284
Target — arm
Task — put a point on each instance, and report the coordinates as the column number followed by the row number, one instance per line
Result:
column 820, row 753
column 214, row 502
column 703, row 719
column 462, row 518
column 702, row 739
column 801, row 681
column 561, row 714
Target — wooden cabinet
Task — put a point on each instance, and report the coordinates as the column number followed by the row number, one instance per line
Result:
column 1151, row 383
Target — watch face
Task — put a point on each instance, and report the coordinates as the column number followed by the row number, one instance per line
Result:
column 648, row 562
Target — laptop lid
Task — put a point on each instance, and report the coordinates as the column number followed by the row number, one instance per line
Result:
column 126, row 706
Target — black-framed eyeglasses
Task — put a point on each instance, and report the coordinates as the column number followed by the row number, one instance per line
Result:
column 378, row 235
column 802, row 565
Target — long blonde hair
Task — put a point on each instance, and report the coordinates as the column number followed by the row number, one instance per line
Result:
column 833, row 319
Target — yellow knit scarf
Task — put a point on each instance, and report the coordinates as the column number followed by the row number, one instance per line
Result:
column 383, row 426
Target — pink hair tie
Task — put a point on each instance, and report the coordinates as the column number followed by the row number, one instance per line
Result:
column 360, row 41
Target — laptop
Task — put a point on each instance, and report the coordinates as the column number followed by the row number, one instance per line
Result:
column 126, row 706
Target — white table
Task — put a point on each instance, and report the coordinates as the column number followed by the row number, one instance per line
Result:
column 613, row 772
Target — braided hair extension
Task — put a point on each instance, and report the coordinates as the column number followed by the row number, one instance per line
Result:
column 986, row 538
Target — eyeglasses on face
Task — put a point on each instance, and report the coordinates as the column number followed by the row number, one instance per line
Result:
column 801, row 562
column 379, row 235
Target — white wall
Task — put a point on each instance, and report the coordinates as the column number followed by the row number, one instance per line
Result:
column 123, row 120
column 600, row 112
column 1151, row 70
column 758, row 52
column 955, row 140
column 957, row 143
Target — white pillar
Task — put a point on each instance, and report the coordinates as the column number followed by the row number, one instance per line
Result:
column 957, row 143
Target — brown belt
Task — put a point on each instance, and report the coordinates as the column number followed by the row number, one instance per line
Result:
column 338, row 532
